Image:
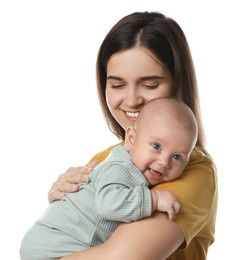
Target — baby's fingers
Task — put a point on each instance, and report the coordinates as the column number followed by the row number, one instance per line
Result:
column 173, row 210
column 176, row 206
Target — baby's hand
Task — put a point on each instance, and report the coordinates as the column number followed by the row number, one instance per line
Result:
column 165, row 201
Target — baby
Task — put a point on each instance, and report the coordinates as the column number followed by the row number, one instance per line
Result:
column 156, row 149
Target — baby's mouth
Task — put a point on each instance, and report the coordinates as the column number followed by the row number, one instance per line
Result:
column 155, row 173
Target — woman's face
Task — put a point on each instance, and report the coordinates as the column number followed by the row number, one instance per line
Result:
column 134, row 77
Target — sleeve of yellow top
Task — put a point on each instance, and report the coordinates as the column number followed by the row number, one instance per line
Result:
column 196, row 191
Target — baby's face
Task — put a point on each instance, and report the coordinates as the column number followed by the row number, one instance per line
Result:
column 160, row 150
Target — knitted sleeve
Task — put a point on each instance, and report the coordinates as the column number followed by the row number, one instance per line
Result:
column 122, row 194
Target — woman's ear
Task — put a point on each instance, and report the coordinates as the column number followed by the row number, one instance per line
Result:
column 129, row 137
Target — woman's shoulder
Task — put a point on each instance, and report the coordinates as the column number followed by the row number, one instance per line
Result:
column 200, row 153
column 102, row 155
column 201, row 161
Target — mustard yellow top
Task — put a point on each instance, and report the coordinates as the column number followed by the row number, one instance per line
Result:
column 197, row 192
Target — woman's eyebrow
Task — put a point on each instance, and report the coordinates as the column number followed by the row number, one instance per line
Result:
column 151, row 77
column 142, row 78
column 114, row 77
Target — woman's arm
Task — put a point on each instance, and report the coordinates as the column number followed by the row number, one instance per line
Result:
column 153, row 238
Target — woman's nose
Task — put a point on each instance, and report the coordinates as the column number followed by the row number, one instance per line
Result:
column 133, row 98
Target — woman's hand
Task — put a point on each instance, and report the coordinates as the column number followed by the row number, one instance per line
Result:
column 69, row 181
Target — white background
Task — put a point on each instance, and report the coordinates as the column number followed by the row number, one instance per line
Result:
column 49, row 113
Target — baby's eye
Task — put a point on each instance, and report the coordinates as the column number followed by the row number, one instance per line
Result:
column 177, row 157
column 156, row 146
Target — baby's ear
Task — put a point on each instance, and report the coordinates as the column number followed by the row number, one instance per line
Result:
column 129, row 137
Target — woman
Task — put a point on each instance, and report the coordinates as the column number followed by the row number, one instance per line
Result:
column 145, row 56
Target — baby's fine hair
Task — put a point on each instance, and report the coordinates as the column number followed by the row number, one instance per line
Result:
column 169, row 107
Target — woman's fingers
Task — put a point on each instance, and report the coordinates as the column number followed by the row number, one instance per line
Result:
column 69, row 181
column 93, row 164
column 55, row 195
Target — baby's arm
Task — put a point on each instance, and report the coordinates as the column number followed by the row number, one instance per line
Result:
column 122, row 194
column 165, row 201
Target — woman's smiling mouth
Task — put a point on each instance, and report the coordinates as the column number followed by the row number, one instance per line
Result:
column 131, row 115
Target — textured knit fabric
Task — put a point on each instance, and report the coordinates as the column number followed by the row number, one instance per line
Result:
column 116, row 191
column 197, row 192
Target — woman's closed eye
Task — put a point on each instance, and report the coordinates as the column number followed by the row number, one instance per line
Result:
column 115, row 82
column 152, row 82
column 117, row 85
column 150, row 86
